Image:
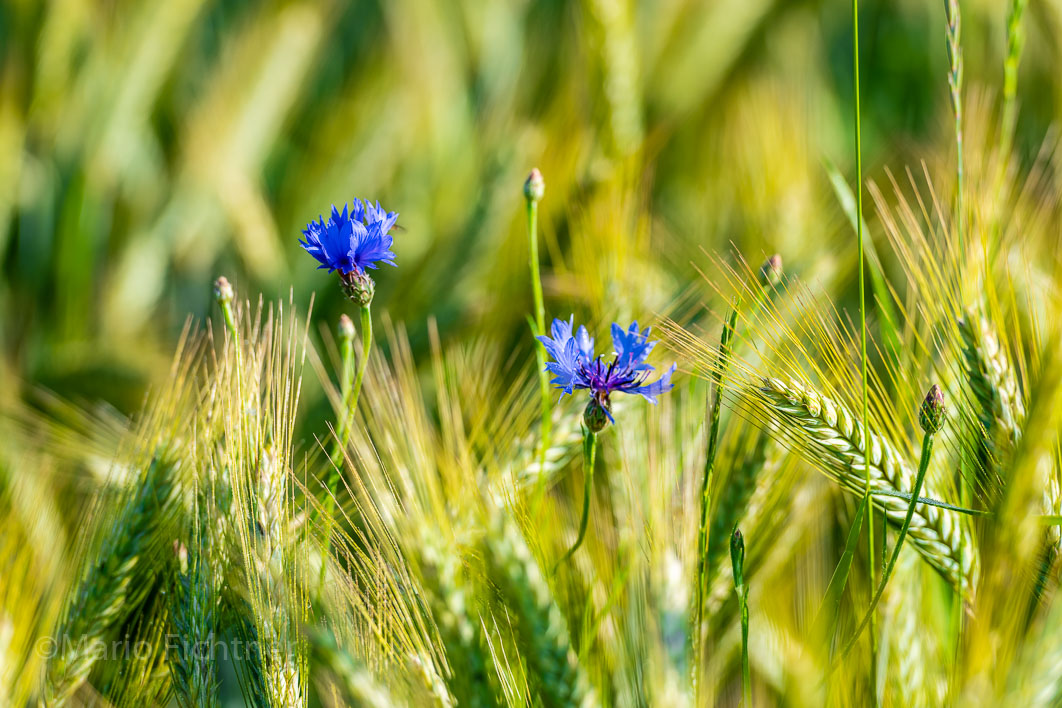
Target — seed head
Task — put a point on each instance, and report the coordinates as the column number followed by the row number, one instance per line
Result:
column 358, row 287
column 771, row 270
column 345, row 328
column 597, row 414
column 933, row 412
column 534, row 187
column 223, row 291
column 737, row 556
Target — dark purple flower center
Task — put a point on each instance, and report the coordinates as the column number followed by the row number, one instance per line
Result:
column 602, row 379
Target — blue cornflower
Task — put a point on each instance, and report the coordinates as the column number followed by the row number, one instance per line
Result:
column 574, row 366
column 351, row 242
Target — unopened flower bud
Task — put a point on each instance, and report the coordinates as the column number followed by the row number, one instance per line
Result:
column 345, row 328
column 358, row 287
column 933, row 412
column 737, row 557
column 223, row 291
column 596, row 414
column 534, row 187
column 771, row 270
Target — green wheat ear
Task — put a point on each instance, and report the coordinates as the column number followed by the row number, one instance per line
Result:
column 553, row 667
column 995, row 386
column 193, row 611
column 111, row 590
column 470, row 679
column 816, row 421
column 351, row 680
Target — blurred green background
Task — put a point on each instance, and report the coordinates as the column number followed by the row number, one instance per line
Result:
column 146, row 147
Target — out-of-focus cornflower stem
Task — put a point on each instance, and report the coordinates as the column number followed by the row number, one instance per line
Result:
column 589, row 454
column 931, row 417
column 534, row 189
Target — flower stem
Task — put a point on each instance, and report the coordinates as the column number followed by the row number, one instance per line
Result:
column 346, row 376
column 350, row 398
column 366, row 346
column 539, row 325
column 589, row 450
column 923, row 465
column 350, row 393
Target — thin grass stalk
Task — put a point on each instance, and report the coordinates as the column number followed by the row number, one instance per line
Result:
column 863, row 316
column 589, row 454
column 953, row 33
column 703, row 539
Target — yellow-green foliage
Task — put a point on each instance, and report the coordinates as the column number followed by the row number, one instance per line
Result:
column 168, row 533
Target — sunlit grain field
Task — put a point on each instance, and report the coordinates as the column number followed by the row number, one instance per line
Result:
column 530, row 353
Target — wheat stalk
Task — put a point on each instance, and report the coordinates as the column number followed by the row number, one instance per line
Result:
column 468, row 679
column 193, row 617
column 358, row 687
column 992, row 381
column 1002, row 409
column 553, row 666
column 111, row 591
column 938, row 536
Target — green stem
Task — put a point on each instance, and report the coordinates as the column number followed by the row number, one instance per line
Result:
column 350, row 405
column 366, row 346
column 589, row 451
column 703, row 539
column 540, row 329
column 346, row 376
column 863, row 314
column 230, row 324
column 923, row 465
